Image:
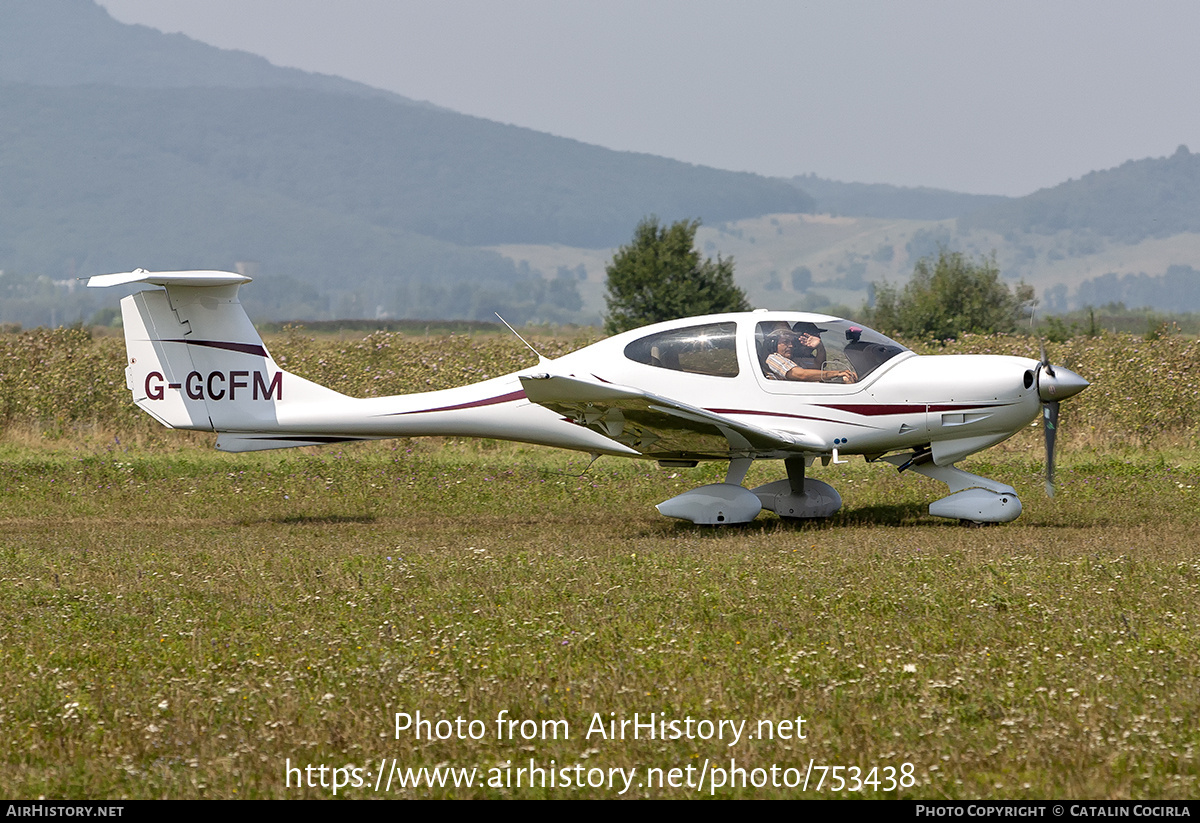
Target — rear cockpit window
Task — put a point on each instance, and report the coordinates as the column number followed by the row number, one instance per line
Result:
column 709, row 349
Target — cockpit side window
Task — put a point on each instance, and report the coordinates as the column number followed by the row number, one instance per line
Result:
column 708, row 349
column 833, row 350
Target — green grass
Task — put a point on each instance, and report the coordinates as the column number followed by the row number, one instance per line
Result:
column 177, row 622
column 183, row 623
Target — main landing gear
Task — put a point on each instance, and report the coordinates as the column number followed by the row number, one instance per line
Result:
column 973, row 499
column 797, row 497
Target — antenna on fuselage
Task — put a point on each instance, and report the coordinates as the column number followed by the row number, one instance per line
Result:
column 541, row 359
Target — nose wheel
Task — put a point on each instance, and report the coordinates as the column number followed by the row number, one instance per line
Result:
column 973, row 500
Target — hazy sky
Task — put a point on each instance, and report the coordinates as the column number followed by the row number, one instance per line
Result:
column 986, row 97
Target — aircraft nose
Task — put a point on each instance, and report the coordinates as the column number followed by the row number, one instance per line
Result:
column 1059, row 384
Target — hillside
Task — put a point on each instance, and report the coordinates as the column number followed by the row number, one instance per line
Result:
column 884, row 201
column 1155, row 197
column 76, row 42
column 122, row 147
column 342, row 198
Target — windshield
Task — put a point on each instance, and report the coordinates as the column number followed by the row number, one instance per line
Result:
column 837, row 351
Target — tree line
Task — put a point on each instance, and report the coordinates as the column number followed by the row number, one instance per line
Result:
column 660, row 275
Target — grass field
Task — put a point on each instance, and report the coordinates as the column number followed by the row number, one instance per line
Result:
column 188, row 624
column 177, row 622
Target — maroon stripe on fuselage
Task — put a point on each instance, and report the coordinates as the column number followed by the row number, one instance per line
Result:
column 865, row 410
column 519, row 394
column 244, row 348
column 873, row 410
column 784, row 414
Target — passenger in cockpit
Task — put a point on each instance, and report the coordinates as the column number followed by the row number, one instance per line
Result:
column 800, row 355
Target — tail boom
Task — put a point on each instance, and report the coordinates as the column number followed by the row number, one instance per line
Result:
column 196, row 362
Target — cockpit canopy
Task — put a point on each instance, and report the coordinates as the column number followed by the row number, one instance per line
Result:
column 711, row 348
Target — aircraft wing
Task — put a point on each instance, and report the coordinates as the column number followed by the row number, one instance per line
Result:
column 659, row 427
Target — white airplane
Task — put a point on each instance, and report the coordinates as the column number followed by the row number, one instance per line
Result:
column 761, row 385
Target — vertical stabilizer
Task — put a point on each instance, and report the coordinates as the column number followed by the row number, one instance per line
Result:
column 195, row 360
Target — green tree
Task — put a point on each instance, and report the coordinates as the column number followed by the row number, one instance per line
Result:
column 949, row 296
column 660, row 276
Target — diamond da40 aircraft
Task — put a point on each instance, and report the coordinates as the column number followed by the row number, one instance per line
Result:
column 761, row 385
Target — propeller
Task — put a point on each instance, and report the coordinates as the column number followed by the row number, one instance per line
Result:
column 1054, row 385
column 1050, row 427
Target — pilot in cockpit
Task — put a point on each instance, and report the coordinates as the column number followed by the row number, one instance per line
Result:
column 800, row 355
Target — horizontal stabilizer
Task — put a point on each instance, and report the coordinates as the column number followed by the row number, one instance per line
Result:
column 168, row 278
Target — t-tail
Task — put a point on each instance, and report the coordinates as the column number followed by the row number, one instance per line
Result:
column 195, row 361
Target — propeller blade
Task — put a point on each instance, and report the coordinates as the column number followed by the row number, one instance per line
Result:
column 1052, row 388
column 1050, row 427
column 1046, row 359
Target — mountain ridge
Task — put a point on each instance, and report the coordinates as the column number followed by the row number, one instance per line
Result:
column 77, row 42
column 123, row 142
column 124, row 147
